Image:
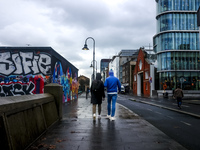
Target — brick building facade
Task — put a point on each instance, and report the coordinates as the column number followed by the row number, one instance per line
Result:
column 142, row 75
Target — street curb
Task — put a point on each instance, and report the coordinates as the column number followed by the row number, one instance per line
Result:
column 128, row 109
column 161, row 106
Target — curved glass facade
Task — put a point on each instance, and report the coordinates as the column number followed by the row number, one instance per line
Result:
column 177, row 44
column 171, row 5
column 172, row 79
column 177, row 41
column 177, row 21
column 175, row 60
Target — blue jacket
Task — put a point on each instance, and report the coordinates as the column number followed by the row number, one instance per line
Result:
column 112, row 83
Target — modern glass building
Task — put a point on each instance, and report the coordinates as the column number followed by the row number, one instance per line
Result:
column 104, row 64
column 177, row 44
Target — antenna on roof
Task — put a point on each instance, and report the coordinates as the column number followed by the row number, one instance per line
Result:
column 148, row 46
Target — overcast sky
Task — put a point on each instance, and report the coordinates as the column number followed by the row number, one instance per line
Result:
column 65, row 24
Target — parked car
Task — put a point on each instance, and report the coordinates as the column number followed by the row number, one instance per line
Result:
column 122, row 89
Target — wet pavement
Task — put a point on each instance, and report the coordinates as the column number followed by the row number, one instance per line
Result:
column 78, row 131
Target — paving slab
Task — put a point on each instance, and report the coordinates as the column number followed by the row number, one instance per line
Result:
column 78, row 131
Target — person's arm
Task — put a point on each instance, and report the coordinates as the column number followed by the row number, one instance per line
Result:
column 119, row 85
column 103, row 91
column 105, row 83
column 182, row 93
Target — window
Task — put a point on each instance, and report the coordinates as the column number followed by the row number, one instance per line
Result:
column 146, row 75
column 134, row 77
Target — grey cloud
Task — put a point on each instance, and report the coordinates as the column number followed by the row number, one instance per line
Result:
column 64, row 25
column 87, row 14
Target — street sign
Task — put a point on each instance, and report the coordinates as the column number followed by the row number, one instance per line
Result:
column 181, row 79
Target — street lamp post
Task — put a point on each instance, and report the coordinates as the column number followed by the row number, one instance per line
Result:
column 86, row 48
column 93, row 65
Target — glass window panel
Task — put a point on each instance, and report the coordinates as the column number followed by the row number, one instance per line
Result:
column 177, row 21
column 195, row 41
column 198, row 60
column 186, row 4
column 180, row 22
column 194, row 80
column 172, row 61
column 163, row 67
column 168, row 61
column 190, row 61
column 184, row 60
column 176, row 61
column 170, row 5
column 195, row 22
column 192, row 22
column 179, row 75
column 170, row 19
column 197, row 35
column 183, row 5
column 198, row 78
column 196, row 5
column 183, row 44
column 187, row 41
column 187, row 81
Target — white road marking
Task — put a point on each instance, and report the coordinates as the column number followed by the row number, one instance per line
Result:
column 158, row 112
column 186, row 123
column 170, row 117
column 149, row 109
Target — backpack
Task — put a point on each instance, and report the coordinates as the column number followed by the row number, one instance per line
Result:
column 96, row 86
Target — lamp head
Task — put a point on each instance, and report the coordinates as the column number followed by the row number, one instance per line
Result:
column 91, row 66
column 85, row 47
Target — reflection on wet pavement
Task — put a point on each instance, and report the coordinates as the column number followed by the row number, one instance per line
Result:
column 78, row 131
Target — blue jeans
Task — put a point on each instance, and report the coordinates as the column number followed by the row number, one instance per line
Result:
column 111, row 98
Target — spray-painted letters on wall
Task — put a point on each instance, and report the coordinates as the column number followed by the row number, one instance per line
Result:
column 25, row 70
column 24, row 63
column 23, row 73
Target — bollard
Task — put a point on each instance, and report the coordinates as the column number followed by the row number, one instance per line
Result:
column 57, row 91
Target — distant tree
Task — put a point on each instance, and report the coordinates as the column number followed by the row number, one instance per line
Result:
column 87, row 82
column 82, row 85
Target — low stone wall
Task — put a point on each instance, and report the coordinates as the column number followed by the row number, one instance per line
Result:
column 23, row 119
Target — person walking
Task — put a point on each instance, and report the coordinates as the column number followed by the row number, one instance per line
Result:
column 178, row 94
column 113, row 86
column 87, row 92
column 97, row 95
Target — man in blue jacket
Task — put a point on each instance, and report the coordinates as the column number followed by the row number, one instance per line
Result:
column 112, row 83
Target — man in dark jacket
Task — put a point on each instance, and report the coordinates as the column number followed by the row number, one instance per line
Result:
column 113, row 86
column 97, row 93
column 178, row 93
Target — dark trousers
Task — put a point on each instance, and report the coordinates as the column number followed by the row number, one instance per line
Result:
column 179, row 101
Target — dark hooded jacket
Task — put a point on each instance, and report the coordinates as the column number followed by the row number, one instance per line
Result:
column 96, row 96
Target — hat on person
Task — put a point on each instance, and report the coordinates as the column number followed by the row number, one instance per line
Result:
column 98, row 76
column 111, row 73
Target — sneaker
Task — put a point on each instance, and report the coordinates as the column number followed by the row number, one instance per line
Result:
column 112, row 118
column 99, row 116
column 94, row 116
column 108, row 116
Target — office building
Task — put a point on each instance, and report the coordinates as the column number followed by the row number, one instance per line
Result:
column 176, row 44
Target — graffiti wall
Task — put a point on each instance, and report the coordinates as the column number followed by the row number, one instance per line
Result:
column 67, row 80
column 25, row 70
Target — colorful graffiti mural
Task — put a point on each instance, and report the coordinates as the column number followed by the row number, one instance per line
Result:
column 19, row 85
column 66, row 81
column 25, row 72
